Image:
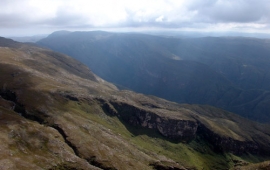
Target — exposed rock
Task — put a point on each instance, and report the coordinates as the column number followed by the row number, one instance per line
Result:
column 226, row 144
column 179, row 130
column 69, row 119
column 183, row 130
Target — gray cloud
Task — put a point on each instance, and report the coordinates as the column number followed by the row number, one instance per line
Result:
column 209, row 12
column 178, row 14
column 242, row 11
column 65, row 18
column 13, row 20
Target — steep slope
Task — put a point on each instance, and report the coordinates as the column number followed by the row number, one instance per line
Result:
column 244, row 61
column 56, row 114
column 229, row 73
column 259, row 166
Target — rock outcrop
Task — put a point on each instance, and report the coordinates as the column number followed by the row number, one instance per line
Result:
column 173, row 129
column 228, row 144
column 180, row 130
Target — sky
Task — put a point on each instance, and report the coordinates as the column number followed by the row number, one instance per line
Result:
column 33, row 17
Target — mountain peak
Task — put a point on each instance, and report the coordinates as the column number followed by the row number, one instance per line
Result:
column 60, row 33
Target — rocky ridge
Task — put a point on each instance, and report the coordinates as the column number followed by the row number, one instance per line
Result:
column 57, row 114
column 181, row 129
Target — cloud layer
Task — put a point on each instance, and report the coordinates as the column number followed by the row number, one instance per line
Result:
column 208, row 15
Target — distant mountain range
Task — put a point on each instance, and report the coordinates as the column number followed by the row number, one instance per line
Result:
column 55, row 113
column 31, row 39
column 227, row 72
column 197, row 34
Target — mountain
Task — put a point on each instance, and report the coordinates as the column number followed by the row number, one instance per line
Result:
column 56, row 114
column 30, row 39
column 194, row 34
column 230, row 72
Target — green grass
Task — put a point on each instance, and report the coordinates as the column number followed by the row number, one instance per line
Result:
column 197, row 153
column 43, row 92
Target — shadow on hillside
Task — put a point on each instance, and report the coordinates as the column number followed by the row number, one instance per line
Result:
column 136, row 130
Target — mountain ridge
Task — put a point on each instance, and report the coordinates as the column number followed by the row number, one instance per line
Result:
column 84, row 122
column 223, row 72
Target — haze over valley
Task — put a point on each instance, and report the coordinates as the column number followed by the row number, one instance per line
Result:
column 134, row 85
column 227, row 72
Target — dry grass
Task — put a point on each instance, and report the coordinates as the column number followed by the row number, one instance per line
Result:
column 26, row 144
column 42, row 82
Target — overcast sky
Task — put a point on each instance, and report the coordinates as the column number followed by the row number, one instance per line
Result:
column 30, row 17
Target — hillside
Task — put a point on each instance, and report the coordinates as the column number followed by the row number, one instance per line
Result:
column 29, row 39
column 56, row 114
column 229, row 73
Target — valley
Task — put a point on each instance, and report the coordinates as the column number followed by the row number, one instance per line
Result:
column 231, row 73
column 57, row 114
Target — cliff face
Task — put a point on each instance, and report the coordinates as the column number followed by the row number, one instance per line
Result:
column 181, row 130
column 227, row 144
column 174, row 129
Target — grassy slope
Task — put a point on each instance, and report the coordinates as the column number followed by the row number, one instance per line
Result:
column 197, row 154
column 259, row 166
column 51, row 87
column 229, row 73
column 28, row 145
